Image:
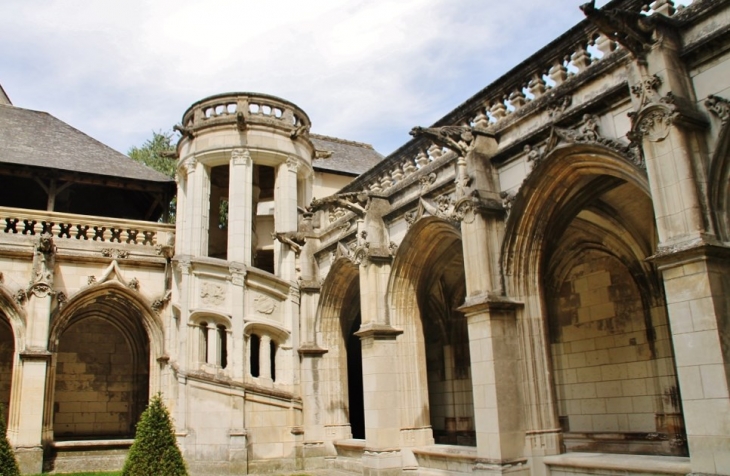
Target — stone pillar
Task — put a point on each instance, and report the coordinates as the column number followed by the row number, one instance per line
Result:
column 695, row 268
column 493, row 338
column 200, row 210
column 495, row 381
column 26, row 422
column 188, row 208
column 265, row 358
column 285, row 218
column 697, row 282
column 213, row 357
column 240, row 207
column 382, row 456
column 236, row 345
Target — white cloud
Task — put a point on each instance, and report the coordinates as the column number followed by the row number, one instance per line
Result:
column 363, row 69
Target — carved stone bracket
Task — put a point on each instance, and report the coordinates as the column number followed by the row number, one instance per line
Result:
column 114, row 253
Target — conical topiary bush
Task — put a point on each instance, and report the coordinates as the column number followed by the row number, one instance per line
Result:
column 8, row 463
column 154, row 451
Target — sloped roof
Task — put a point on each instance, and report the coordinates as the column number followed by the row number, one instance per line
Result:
column 348, row 157
column 38, row 139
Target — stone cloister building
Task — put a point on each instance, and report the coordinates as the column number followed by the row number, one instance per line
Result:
column 537, row 284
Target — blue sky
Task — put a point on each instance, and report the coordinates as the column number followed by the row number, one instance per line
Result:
column 365, row 70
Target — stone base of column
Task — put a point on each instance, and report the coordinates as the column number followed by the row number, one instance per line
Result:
column 513, row 468
column 382, row 462
column 315, row 454
column 30, row 460
column 238, row 451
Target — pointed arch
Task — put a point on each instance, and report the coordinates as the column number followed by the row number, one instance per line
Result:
column 585, row 212
column 108, row 334
column 337, row 318
column 427, row 284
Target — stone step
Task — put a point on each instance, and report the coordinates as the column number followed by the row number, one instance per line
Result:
column 86, row 455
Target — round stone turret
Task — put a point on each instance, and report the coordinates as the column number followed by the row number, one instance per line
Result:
column 254, row 157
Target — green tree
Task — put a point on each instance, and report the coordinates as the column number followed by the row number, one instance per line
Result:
column 8, row 463
column 158, row 153
column 154, row 451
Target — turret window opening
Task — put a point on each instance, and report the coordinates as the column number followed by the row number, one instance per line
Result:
column 262, row 356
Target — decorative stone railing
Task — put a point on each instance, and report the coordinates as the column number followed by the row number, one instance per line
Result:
column 83, row 227
column 526, row 87
column 243, row 109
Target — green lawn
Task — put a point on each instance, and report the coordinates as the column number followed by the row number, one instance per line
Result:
column 102, row 473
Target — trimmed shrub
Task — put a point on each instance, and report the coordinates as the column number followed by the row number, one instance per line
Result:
column 8, row 463
column 154, row 451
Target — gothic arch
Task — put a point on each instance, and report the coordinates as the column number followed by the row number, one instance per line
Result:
column 15, row 316
column 426, row 287
column 584, row 209
column 12, row 330
column 337, row 318
column 113, row 313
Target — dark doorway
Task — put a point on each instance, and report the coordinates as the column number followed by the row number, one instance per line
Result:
column 354, row 381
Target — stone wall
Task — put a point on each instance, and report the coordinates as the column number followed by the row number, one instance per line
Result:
column 95, row 382
column 606, row 380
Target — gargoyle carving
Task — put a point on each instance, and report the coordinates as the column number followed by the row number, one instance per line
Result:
column 295, row 240
column 631, row 30
column 459, row 139
column 718, row 106
column 184, row 131
column 350, row 201
column 301, row 131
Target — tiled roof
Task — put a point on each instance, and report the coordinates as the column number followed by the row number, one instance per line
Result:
column 348, row 157
column 38, row 139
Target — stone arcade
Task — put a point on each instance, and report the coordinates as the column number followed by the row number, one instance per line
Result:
column 537, row 284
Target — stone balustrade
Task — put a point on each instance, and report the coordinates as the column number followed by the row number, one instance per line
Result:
column 82, row 227
column 512, row 95
column 242, row 110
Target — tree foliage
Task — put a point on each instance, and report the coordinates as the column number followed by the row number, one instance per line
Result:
column 154, row 451
column 8, row 463
column 156, row 153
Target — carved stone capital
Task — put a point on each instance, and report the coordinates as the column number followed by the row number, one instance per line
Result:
column 241, row 157
column 292, row 163
column 188, row 165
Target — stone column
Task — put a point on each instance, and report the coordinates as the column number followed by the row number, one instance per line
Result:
column 240, row 207
column 187, row 208
column 285, row 218
column 213, row 357
column 236, row 345
column 493, row 338
column 382, row 456
column 265, row 358
column 25, row 428
column 200, row 210
column 695, row 267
